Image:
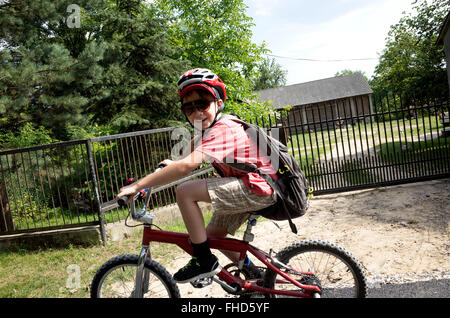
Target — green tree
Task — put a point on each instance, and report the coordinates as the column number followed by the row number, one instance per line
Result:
column 269, row 75
column 345, row 72
column 217, row 35
column 412, row 63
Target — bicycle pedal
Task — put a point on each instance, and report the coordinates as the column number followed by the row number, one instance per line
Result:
column 202, row 282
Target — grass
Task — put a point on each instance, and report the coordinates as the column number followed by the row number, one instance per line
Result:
column 354, row 173
column 319, row 144
column 45, row 273
column 435, row 149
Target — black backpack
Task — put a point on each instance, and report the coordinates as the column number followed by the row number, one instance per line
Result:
column 291, row 186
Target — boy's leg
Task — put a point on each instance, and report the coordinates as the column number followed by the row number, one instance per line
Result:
column 204, row 263
column 228, row 196
column 188, row 195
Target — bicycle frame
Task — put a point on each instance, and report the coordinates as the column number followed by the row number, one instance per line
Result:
column 224, row 277
column 182, row 240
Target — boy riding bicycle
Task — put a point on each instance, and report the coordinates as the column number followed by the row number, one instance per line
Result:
column 203, row 95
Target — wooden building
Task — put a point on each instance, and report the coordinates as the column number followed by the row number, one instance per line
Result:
column 323, row 103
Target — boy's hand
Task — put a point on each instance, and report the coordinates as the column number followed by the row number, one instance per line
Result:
column 128, row 191
column 131, row 190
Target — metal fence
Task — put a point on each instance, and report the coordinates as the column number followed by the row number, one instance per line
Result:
column 46, row 187
column 339, row 148
column 344, row 148
column 68, row 184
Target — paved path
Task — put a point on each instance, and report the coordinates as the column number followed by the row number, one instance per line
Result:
column 422, row 289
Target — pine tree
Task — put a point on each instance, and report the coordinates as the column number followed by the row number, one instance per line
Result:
column 40, row 78
column 139, row 86
column 114, row 67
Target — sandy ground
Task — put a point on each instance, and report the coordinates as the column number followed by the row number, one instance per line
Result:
column 398, row 233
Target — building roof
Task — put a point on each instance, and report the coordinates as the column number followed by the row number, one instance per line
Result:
column 316, row 91
column 444, row 29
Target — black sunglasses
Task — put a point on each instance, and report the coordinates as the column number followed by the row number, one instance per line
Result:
column 202, row 105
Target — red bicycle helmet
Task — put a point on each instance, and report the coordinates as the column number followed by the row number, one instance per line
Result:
column 203, row 79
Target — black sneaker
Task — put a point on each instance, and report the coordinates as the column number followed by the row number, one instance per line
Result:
column 195, row 270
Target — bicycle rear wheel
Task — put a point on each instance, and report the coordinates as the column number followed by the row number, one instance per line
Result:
column 116, row 279
column 336, row 271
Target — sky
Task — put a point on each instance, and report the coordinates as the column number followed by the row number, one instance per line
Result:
column 324, row 30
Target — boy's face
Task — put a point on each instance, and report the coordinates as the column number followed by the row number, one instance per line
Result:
column 200, row 109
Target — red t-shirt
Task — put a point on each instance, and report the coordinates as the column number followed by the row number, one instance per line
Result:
column 228, row 139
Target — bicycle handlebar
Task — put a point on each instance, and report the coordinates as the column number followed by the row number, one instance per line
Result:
column 140, row 215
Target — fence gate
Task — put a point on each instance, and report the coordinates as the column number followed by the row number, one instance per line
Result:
column 344, row 148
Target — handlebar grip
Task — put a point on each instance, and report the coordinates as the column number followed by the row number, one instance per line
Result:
column 122, row 201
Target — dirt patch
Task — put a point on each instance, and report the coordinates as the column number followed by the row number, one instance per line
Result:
column 399, row 231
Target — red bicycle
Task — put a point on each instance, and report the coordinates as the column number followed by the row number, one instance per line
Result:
column 310, row 268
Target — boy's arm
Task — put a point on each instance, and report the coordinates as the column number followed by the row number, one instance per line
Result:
column 172, row 172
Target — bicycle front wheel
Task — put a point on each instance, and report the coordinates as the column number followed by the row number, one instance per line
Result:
column 116, row 279
column 335, row 270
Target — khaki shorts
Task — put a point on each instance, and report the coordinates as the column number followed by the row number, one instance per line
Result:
column 232, row 201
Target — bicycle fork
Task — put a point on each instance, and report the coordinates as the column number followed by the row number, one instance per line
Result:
column 142, row 276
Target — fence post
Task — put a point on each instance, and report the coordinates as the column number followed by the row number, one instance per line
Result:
column 6, row 220
column 96, row 192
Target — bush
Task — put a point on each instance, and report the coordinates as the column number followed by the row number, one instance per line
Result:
column 27, row 136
